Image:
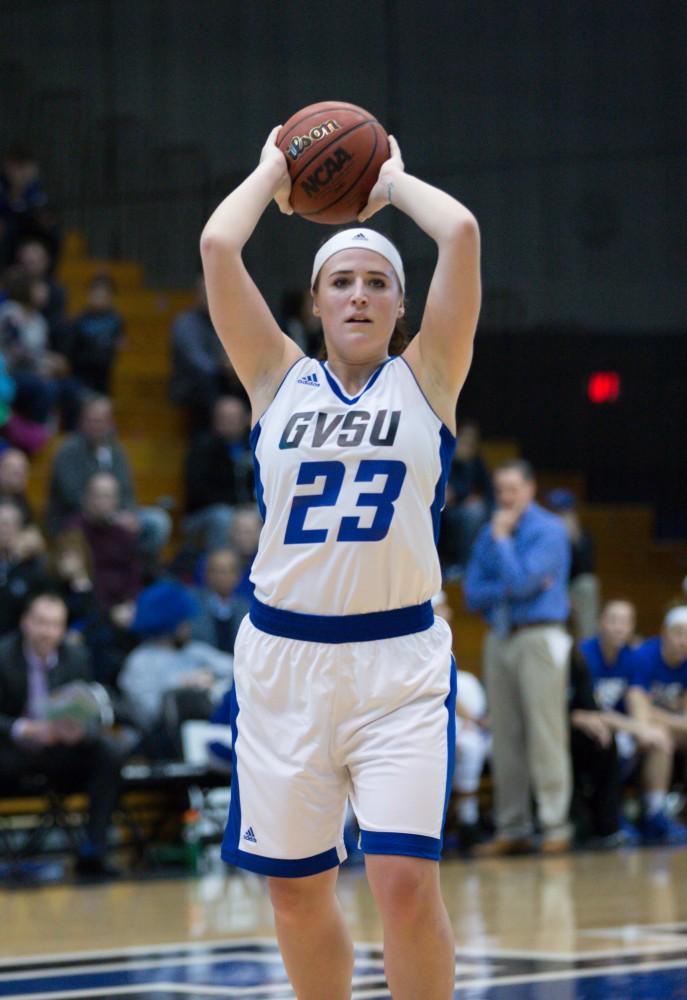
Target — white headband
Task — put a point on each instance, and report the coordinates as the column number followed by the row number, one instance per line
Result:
column 355, row 239
column 678, row 616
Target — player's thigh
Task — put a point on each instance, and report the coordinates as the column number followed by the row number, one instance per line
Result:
column 288, row 796
column 401, row 754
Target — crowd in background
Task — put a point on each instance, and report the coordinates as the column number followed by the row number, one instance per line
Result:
column 96, row 587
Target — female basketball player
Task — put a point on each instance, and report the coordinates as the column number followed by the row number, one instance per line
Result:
column 344, row 683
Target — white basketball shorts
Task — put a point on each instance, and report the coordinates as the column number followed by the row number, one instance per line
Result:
column 317, row 722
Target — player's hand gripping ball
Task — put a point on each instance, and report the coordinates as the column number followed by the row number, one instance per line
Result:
column 334, row 152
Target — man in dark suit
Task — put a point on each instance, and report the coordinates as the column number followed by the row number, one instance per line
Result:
column 34, row 662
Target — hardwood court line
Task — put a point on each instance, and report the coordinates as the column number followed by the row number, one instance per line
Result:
column 241, row 992
column 159, row 963
column 599, row 972
column 74, row 994
column 151, row 949
column 623, row 929
column 662, row 944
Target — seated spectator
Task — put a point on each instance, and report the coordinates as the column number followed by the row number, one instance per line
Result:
column 22, row 567
column 661, row 699
column 95, row 448
column 600, row 735
column 41, row 375
column 95, row 336
column 14, row 481
column 104, row 631
column 113, row 543
column 34, row 259
column 584, row 585
column 221, row 611
column 34, row 662
column 70, row 570
column 219, row 474
column 201, row 370
column 24, row 209
column 469, row 501
column 166, row 661
column 642, row 746
column 8, row 391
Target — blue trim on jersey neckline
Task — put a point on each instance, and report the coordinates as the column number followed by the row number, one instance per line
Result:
column 341, row 628
column 338, row 391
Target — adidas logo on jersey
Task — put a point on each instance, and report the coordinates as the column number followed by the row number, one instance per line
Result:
column 360, row 236
column 249, row 835
column 310, row 380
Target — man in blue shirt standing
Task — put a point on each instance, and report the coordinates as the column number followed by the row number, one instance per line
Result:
column 661, row 664
column 517, row 578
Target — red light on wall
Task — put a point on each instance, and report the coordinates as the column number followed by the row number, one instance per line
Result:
column 603, row 387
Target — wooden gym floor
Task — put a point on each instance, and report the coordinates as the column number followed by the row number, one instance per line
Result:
column 581, row 927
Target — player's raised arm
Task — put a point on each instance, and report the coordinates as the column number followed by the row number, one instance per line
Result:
column 440, row 355
column 259, row 351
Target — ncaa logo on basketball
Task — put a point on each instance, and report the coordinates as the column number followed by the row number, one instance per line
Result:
column 300, row 143
column 324, row 173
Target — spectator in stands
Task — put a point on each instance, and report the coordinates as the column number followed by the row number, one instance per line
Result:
column 24, row 209
column 221, row 611
column 469, row 501
column 22, row 566
column 219, row 474
column 113, row 543
column 96, row 448
column 244, row 537
column 602, row 732
column 612, row 669
column 103, row 630
column 584, row 588
column 167, row 661
column 14, row 481
column 70, row 570
column 33, row 257
column 8, row 391
column 517, row 577
column 661, row 698
column 95, row 336
column 40, row 375
column 35, row 661
column 201, row 370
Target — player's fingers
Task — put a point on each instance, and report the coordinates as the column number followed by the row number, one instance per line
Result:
column 395, row 149
column 282, row 199
column 371, row 209
column 272, row 137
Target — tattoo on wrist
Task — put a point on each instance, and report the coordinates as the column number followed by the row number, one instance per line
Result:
column 389, row 189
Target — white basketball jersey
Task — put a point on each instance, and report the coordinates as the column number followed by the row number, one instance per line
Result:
column 351, row 491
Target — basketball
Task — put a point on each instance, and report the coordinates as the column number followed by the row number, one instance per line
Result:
column 334, row 151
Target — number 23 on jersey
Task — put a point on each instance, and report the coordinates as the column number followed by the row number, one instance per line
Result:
column 348, row 528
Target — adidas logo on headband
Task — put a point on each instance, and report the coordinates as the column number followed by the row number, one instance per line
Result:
column 350, row 238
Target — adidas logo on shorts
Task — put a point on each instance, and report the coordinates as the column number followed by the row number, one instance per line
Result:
column 310, row 380
column 249, row 835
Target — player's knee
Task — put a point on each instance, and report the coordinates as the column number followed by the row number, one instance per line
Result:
column 403, row 887
column 292, row 898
